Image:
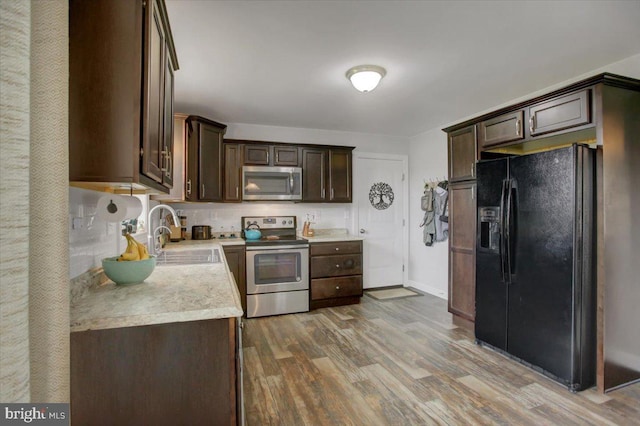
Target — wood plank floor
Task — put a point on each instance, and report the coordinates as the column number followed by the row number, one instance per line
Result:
column 402, row 362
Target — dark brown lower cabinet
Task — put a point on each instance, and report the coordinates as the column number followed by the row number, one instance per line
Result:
column 165, row 374
column 336, row 273
column 462, row 250
column 236, row 260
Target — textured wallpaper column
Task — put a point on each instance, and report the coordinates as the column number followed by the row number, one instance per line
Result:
column 14, row 200
column 49, row 202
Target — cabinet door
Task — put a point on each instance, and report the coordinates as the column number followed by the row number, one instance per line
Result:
column 462, row 154
column 167, row 177
column 285, row 156
column 462, row 242
column 153, row 101
column 257, row 155
column 235, row 256
column 502, row 129
column 209, row 164
column 314, row 170
column 340, row 175
column 232, row 172
column 561, row 113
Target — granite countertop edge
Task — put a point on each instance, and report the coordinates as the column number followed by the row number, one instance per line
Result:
column 104, row 305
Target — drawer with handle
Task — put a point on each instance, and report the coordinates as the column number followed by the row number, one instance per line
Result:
column 333, row 266
column 338, row 247
column 326, row 288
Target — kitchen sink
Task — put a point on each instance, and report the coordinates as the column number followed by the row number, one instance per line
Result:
column 188, row 257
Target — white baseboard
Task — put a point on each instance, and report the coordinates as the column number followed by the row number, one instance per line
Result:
column 428, row 289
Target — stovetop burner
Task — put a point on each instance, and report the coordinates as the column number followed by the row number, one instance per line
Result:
column 276, row 230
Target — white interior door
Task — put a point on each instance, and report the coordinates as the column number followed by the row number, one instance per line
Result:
column 381, row 208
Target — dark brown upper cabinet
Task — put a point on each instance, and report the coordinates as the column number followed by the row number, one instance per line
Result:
column 340, row 175
column 561, row 113
column 121, row 64
column 462, row 154
column 314, row 174
column 326, row 175
column 505, row 128
column 284, row 155
column 257, row 155
column 271, row 155
column 232, row 172
column 204, row 159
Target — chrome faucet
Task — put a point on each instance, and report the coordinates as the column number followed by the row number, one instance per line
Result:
column 151, row 246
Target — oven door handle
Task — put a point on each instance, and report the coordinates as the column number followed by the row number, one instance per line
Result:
column 279, row 249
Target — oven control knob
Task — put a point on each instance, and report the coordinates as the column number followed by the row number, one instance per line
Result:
column 284, row 222
column 290, row 221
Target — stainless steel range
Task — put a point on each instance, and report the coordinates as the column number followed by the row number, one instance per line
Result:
column 277, row 267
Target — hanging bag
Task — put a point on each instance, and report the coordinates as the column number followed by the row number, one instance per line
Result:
column 444, row 217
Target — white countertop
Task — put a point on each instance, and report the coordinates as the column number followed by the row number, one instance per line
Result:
column 172, row 293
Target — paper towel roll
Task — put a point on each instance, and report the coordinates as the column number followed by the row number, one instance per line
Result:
column 116, row 208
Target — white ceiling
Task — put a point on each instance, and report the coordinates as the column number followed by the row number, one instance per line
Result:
column 283, row 63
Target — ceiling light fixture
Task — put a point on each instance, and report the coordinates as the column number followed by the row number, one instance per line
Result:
column 365, row 78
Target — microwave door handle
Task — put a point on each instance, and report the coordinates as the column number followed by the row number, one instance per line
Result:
column 291, row 182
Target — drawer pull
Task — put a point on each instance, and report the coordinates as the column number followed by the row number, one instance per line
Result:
column 337, row 266
column 337, row 287
column 337, row 248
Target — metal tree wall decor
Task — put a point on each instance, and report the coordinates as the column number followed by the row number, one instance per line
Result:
column 381, row 195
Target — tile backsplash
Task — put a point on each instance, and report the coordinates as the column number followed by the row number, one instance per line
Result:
column 226, row 217
column 91, row 239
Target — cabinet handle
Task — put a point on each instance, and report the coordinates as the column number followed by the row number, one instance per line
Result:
column 203, row 191
column 322, row 193
column 531, row 124
column 337, row 248
column 473, row 197
column 337, row 287
column 169, row 164
column 473, row 169
column 237, row 196
column 332, row 194
column 189, row 187
column 163, row 154
column 518, row 127
column 337, row 266
column 267, row 157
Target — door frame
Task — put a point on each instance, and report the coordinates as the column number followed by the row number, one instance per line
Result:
column 355, row 207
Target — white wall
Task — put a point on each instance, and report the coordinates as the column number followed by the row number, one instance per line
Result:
column 428, row 266
column 362, row 141
column 428, row 159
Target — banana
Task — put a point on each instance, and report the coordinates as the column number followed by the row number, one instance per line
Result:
column 142, row 249
column 132, row 252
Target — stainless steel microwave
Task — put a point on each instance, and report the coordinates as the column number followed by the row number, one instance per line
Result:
column 271, row 183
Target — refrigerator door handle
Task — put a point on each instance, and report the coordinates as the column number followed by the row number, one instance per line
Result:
column 509, row 259
column 503, row 232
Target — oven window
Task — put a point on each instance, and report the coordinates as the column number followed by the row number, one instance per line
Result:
column 277, row 268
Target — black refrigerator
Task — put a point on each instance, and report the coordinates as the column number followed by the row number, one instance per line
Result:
column 535, row 285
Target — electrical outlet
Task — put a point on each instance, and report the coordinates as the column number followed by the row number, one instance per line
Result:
column 77, row 223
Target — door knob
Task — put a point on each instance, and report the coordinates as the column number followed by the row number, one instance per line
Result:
column 362, row 231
